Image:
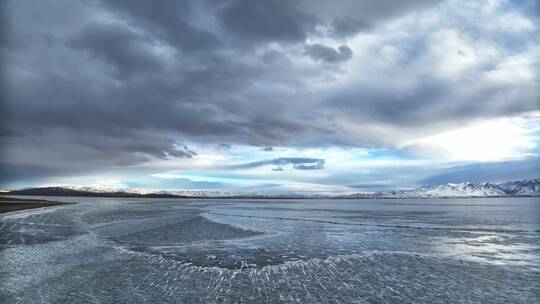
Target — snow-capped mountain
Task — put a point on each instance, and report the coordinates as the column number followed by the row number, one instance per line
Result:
column 515, row 188
column 195, row 193
column 86, row 191
column 121, row 192
column 465, row 189
column 108, row 190
column 142, row 191
column 527, row 187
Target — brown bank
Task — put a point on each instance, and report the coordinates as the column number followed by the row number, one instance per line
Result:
column 9, row 204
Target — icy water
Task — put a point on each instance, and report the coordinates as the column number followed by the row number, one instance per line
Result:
column 273, row 251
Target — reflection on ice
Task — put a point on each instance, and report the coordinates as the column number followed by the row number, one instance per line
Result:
column 502, row 249
column 169, row 251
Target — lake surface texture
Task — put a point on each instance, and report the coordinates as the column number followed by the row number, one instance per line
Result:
column 109, row 250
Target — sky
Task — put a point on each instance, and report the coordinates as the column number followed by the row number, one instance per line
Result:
column 268, row 96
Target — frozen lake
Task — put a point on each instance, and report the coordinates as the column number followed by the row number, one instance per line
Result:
column 109, row 250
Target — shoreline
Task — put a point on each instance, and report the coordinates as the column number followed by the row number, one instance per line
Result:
column 10, row 204
column 101, row 195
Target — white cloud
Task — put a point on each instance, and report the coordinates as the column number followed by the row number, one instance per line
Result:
column 494, row 140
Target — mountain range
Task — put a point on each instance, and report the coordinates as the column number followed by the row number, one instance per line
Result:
column 529, row 187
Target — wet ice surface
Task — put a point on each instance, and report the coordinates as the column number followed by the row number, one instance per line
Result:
column 314, row 251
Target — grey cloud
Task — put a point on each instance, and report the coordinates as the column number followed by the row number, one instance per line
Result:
column 91, row 89
column 175, row 183
column 12, row 173
column 372, row 11
column 343, row 27
column 431, row 101
column 223, row 147
column 530, row 8
column 167, row 20
column 268, row 149
column 487, row 172
column 378, row 102
column 373, row 187
column 299, row 163
column 255, row 22
column 320, row 52
column 119, row 46
column 180, row 150
column 266, row 21
column 310, row 166
column 410, row 176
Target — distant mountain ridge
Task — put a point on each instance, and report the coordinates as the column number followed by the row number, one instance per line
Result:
column 524, row 188
column 465, row 189
column 85, row 191
column 529, row 187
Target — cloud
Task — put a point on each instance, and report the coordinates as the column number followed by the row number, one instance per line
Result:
column 118, row 85
column 319, row 52
column 168, row 21
column 176, row 183
column 299, row 163
column 310, row 166
column 223, row 147
column 252, row 22
column 129, row 52
column 487, row 172
column 180, row 150
column 373, row 187
column 495, row 140
column 343, row 27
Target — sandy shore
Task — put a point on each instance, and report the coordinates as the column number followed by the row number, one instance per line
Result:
column 9, row 204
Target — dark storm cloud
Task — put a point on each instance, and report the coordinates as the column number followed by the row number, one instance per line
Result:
column 377, row 102
column 119, row 46
column 167, row 20
column 266, row 21
column 320, row 52
column 433, row 101
column 347, row 26
column 372, row 10
column 17, row 172
column 55, row 153
column 143, row 144
column 299, row 163
column 92, row 85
